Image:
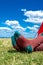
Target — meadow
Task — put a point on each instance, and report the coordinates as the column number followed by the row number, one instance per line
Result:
column 9, row 56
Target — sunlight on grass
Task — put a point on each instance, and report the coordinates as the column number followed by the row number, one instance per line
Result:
column 9, row 56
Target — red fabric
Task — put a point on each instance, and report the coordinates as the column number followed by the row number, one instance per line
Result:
column 40, row 29
column 40, row 47
column 23, row 42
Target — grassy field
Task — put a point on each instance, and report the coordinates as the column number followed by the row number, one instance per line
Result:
column 9, row 56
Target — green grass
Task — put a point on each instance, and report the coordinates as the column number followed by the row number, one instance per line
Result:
column 9, row 56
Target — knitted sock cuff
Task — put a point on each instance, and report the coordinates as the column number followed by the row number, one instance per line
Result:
column 16, row 35
column 13, row 41
column 28, row 49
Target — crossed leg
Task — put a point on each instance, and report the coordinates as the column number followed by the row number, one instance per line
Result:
column 19, row 43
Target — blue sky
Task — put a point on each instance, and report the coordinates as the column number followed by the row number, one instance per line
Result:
column 24, row 16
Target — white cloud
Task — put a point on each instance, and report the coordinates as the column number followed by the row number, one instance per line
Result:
column 33, row 31
column 34, row 16
column 15, row 25
column 19, row 27
column 5, row 32
column 14, row 22
column 23, row 10
column 34, row 13
column 5, row 28
column 34, row 28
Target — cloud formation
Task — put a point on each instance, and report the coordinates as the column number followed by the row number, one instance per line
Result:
column 34, row 28
column 5, row 28
column 33, row 16
column 23, row 9
column 5, row 32
column 15, row 25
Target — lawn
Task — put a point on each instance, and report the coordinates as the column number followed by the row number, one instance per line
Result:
column 9, row 56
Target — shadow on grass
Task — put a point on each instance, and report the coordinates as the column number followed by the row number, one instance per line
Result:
column 12, row 51
column 15, row 51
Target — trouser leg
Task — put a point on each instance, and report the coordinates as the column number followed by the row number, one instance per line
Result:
column 22, row 42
